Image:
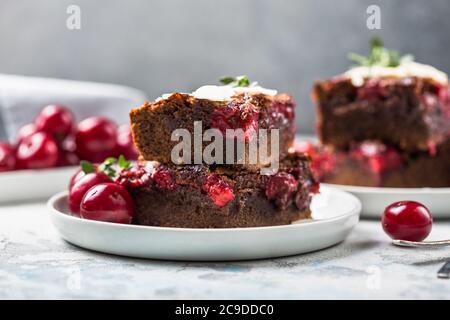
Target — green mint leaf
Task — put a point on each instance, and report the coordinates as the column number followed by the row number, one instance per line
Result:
column 358, row 59
column 376, row 42
column 243, row 81
column 123, row 163
column 110, row 161
column 379, row 56
column 108, row 167
column 226, row 80
column 110, row 172
column 239, row 81
column 87, row 167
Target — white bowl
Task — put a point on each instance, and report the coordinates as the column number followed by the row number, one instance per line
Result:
column 23, row 185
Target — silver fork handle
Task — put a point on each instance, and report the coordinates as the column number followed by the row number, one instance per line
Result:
column 421, row 244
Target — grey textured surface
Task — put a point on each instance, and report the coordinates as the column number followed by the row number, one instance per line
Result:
column 36, row 264
column 160, row 46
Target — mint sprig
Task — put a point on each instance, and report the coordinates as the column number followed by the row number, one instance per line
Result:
column 379, row 56
column 123, row 163
column 86, row 166
column 108, row 167
column 239, row 81
column 111, row 166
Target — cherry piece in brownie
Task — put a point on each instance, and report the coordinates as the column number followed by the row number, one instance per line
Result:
column 154, row 122
column 411, row 113
column 200, row 196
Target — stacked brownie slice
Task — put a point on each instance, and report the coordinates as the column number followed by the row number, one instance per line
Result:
column 187, row 191
column 385, row 125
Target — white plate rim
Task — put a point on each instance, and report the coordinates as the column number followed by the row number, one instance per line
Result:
column 381, row 190
column 51, row 205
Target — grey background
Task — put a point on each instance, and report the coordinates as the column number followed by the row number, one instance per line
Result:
column 163, row 46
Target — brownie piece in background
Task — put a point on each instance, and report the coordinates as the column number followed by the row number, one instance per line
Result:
column 411, row 113
column 374, row 164
column 383, row 123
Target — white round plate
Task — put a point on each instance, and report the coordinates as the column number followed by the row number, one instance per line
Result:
column 22, row 185
column 375, row 200
column 335, row 213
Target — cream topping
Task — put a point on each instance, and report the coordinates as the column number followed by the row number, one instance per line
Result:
column 405, row 69
column 223, row 93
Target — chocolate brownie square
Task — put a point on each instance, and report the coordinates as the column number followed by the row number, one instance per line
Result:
column 202, row 196
column 154, row 123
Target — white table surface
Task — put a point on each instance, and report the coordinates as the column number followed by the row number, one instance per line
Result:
column 35, row 263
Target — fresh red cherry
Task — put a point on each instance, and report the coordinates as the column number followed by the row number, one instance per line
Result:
column 67, row 158
column 82, row 185
column 7, row 157
column 56, row 120
column 407, row 220
column 86, row 168
column 77, row 176
column 69, row 144
column 108, row 202
column 26, row 131
column 125, row 143
column 96, row 139
column 37, row 151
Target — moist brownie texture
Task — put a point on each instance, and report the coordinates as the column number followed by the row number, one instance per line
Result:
column 201, row 196
column 410, row 113
column 374, row 164
column 153, row 123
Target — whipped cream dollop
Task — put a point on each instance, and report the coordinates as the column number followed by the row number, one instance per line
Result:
column 223, row 93
column 405, row 69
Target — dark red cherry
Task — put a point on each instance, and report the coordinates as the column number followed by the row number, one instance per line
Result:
column 407, row 220
column 108, row 202
column 36, row 151
column 96, row 139
column 7, row 157
column 56, row 120
column 82, row 185
column 218, row 190
column 133, row 178
column 125, row 143
column 67, row 158
column 77, row 176
column 26, row 131
column 163, row 179
column 281, row 188
column 236, row 115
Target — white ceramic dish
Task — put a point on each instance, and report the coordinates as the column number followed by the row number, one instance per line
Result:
column 375, row 200
column 335, row 213
column 24, row 185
